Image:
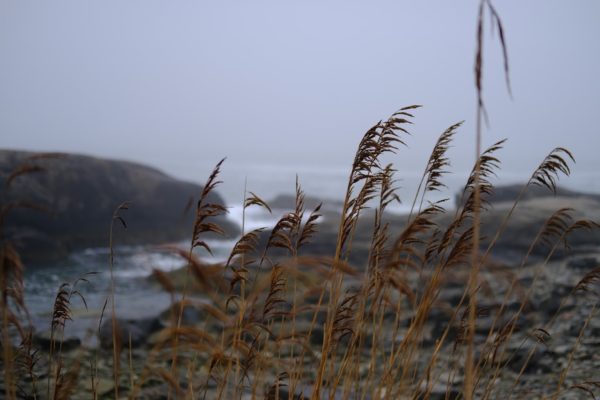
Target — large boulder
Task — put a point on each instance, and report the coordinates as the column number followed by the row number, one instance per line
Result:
column 44, row 339
column 509, row 193
column 139, row 330
column 81, row 193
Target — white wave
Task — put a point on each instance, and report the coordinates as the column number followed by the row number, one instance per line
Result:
column 255, row 217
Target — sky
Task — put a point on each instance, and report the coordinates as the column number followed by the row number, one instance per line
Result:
column 282, row 87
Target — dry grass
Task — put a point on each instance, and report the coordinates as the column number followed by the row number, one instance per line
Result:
column 281, row 324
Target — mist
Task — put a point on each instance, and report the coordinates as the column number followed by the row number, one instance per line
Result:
column 180, row 86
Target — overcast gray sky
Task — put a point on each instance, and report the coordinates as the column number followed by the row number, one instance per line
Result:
column 181, row 84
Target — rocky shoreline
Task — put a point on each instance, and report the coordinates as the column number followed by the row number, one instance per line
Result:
column 544, row 325
column 573, row 339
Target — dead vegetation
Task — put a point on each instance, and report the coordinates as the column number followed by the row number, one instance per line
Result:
column 281, row 324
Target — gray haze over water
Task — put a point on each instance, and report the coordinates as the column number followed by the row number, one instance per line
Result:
column 282, row 88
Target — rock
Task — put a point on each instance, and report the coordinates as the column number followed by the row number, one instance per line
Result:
column 157, row 337
column 525, row 282
column 505, row 321
column 191, row 315
column 316, row 336
column 139, row 330
column 281, row 392
column 509, row 193
column 534, row 360
column 548, row 306
column 81, row 193
column 438, row 391
column 439, row 321
column 160, row 392
column 43, row 340
column 562, row 350
column 583, row 263
column 103, row 386
column 594, row 328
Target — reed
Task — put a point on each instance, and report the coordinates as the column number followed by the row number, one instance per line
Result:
column 282, row 324
column 427, row 308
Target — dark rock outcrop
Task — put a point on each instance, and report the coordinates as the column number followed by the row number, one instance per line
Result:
column 44, row 340
column 509, row 193
column 80, row 194
column 137, row 331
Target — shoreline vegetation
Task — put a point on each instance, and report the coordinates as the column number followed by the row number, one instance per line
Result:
column 479, row 301
column 355, row 304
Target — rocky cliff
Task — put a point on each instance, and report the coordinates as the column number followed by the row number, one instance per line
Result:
column 80, row 193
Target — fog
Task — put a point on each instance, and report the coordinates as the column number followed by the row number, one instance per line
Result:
column 282, row 87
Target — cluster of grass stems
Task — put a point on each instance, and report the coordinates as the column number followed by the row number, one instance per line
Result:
column 281, row 324
column 265, row 303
